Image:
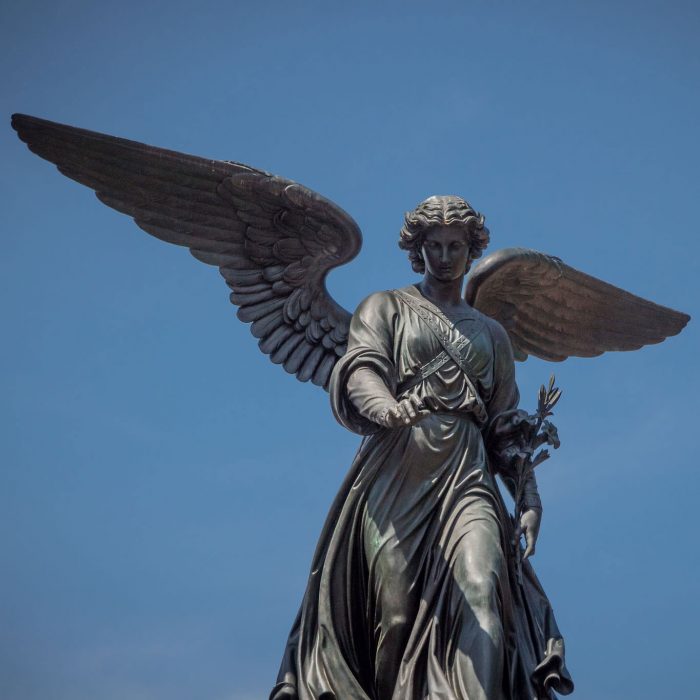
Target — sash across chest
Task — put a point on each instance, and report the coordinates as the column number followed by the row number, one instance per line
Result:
column 452, row 350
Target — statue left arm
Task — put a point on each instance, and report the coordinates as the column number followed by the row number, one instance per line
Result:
column 502, row 435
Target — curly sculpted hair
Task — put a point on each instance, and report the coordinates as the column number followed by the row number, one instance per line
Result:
column 442, row 210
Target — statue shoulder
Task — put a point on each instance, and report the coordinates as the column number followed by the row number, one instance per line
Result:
column 499, row 334
column 381, row 303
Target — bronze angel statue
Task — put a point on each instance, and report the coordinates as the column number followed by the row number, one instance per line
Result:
column 413, row 591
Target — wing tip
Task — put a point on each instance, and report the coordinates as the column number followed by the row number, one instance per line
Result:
column 21, row 123
column 675, row 322
column 19, row 118
column 682, row 320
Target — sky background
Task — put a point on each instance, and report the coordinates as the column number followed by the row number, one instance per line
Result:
column 162, row 484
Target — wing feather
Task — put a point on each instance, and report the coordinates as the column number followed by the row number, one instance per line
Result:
column 554, row 311
column 266, row 325
column 322, row 374
column 311, row 363
column 273, row 240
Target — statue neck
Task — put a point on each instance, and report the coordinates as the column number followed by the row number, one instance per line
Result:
column 442, row 293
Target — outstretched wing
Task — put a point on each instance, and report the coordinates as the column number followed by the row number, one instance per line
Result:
column 553, row 311
column 273, row 240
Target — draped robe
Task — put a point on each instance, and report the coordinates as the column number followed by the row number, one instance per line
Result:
column 412, row 592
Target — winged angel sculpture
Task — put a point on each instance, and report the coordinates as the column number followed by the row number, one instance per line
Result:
column 413, row 592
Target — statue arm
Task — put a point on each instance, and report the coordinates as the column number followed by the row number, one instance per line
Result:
column 372, row 377
column 374, row 400
column 363, row 383
column 369, row 394
column 502, row 433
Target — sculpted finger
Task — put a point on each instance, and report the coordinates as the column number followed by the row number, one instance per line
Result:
column 394, row 416
column 417, row 403
column 409, row 410
column 420, row 408
column 401, row 412
column 530, row 548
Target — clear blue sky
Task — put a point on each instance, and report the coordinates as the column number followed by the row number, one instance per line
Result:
column 162, row 484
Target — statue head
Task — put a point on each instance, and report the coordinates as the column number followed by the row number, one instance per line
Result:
column 442, row 210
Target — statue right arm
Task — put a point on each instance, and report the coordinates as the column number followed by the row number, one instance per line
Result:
column 363, row 382
column 370, row 385
column 369, row 394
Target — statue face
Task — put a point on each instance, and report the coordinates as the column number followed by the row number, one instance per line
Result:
column 446, row 252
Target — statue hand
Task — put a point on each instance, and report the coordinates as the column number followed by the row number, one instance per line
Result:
column 408, row 411
column 530, row 527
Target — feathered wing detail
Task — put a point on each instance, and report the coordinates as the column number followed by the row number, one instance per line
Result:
column 273, row 240
column 553, row 311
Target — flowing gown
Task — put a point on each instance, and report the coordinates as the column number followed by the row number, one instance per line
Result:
column 412, row 593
